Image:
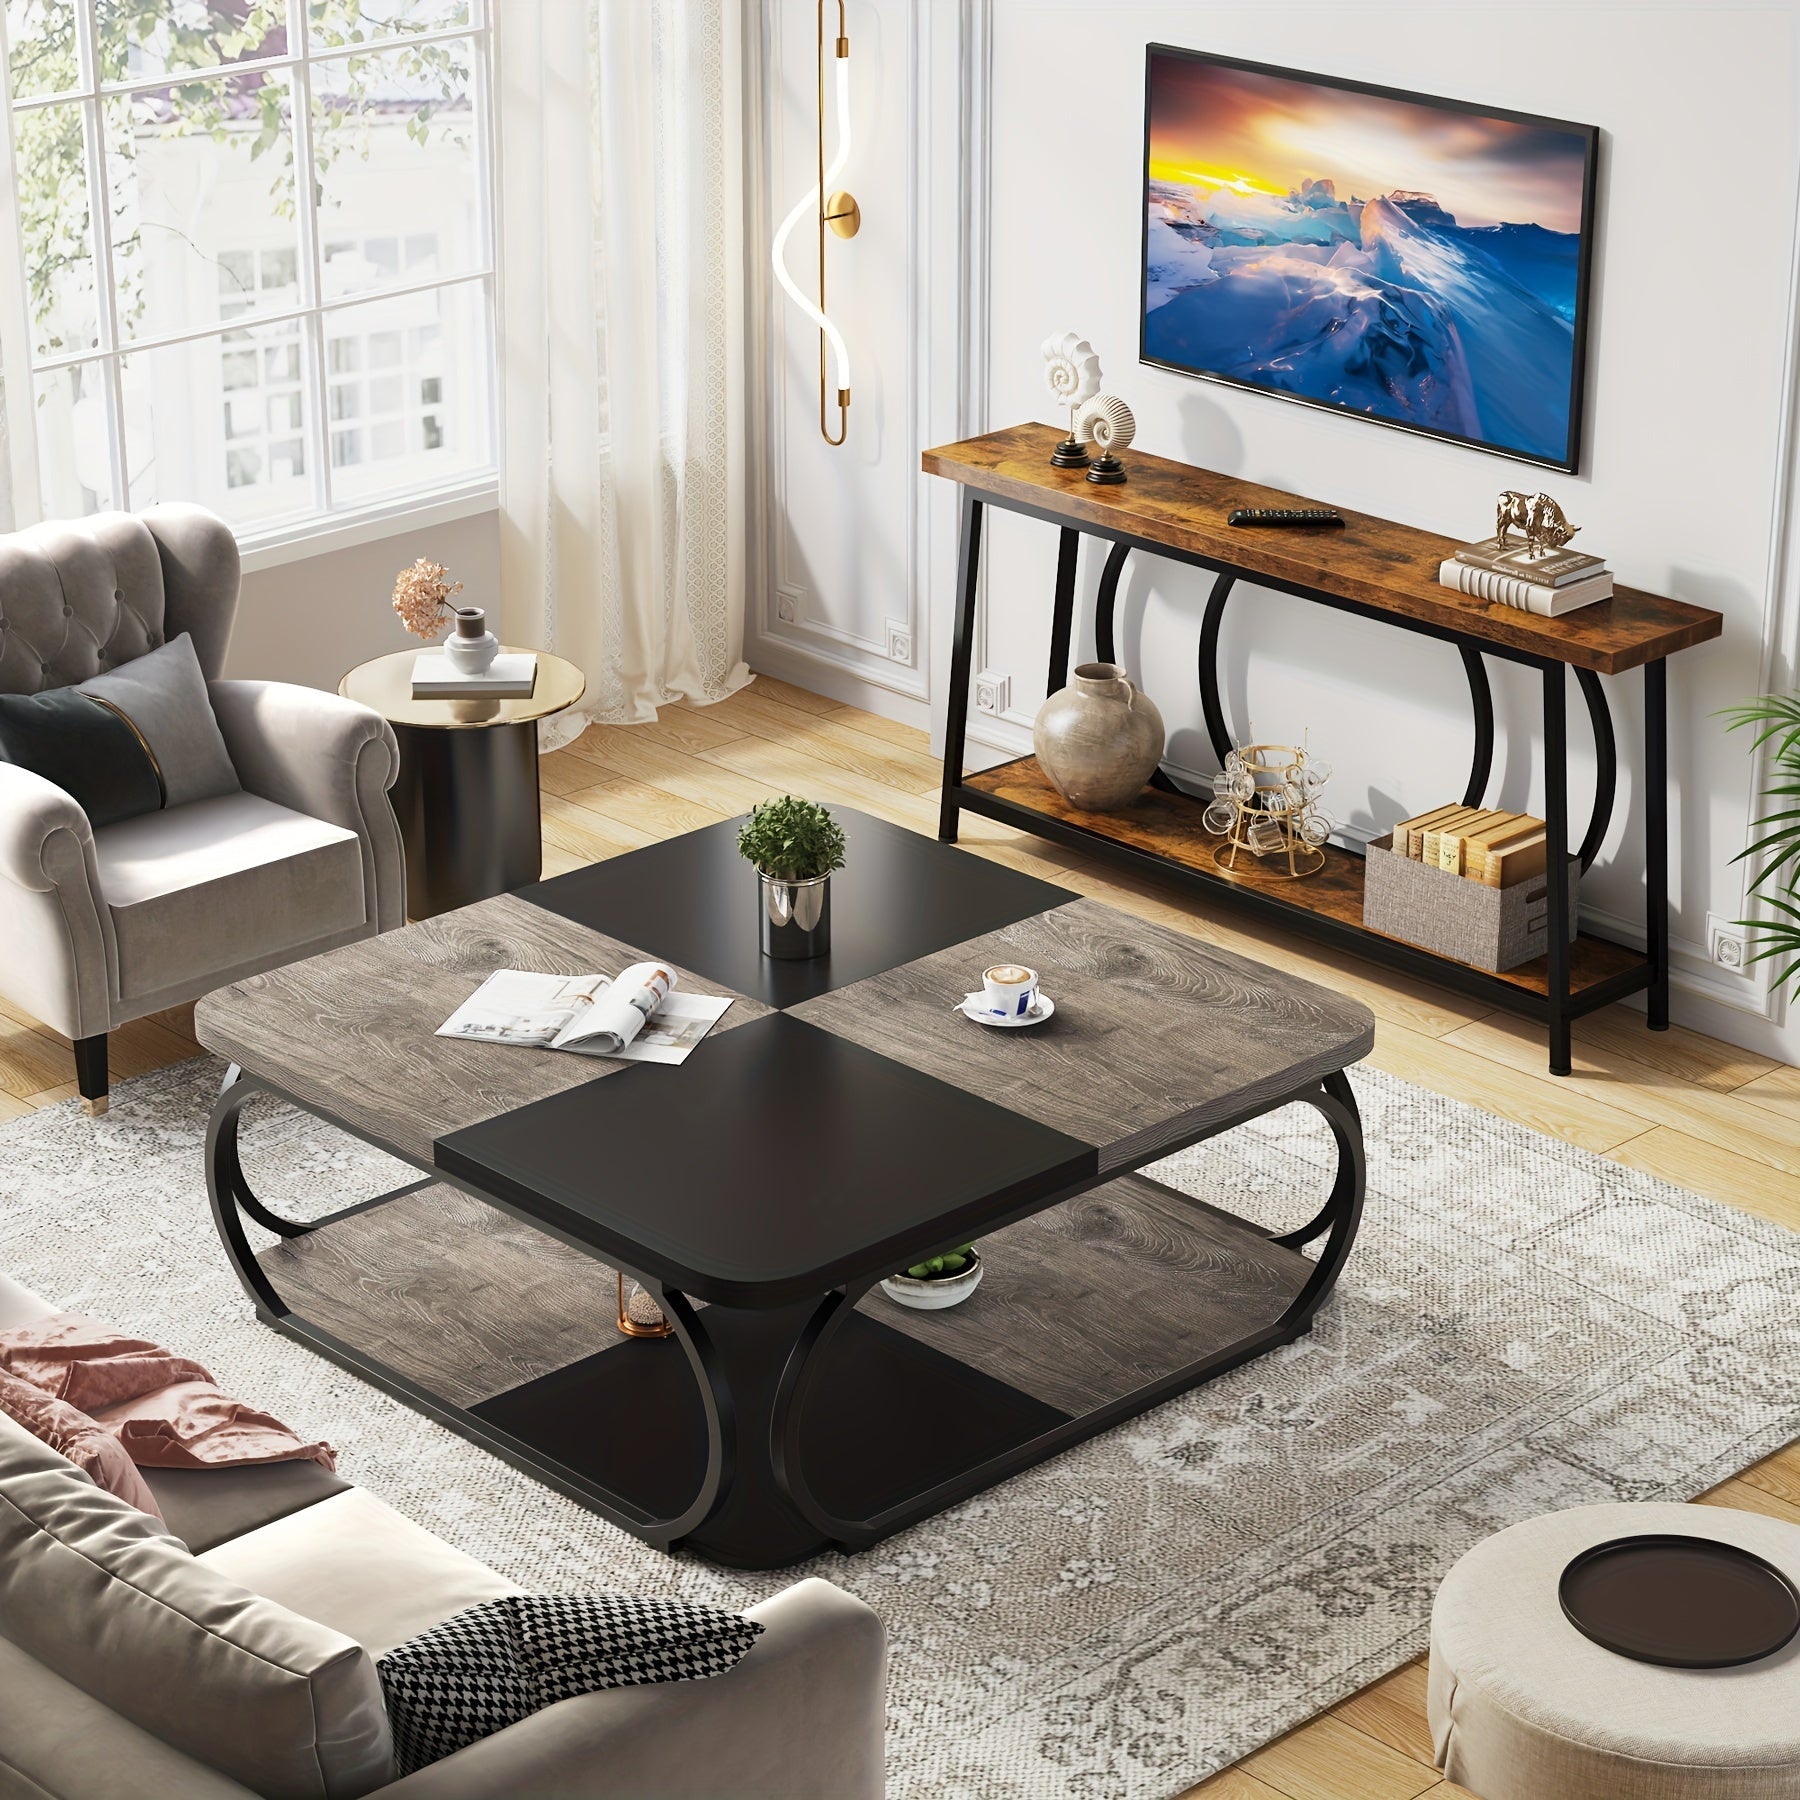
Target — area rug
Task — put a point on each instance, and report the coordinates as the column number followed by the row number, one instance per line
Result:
column 1522, row 1326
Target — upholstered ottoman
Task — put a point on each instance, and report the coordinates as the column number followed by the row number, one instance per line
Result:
column 1523, row 1707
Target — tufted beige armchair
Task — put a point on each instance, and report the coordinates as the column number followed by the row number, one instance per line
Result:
column 100, row 927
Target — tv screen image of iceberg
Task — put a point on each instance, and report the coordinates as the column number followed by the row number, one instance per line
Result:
column 1420, row 262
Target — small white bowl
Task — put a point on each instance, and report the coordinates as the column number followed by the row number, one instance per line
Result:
column 936, row 1294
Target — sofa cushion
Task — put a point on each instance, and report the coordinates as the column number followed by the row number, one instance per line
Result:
column 55, row 1740
column 223, row 882
column 207, row 1507
column 162, row 698
column 357, row 1566
column 81, row 745
column 103, row 1597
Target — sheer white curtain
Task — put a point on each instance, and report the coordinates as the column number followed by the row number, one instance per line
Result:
column 621, row 347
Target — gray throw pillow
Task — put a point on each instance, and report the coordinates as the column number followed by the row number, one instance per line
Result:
column 163, row 697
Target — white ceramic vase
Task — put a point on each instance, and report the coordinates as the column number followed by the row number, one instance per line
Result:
column 471, row 647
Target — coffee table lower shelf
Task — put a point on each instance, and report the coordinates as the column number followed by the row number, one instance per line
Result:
column 1091, row 1312
column 1160, row 835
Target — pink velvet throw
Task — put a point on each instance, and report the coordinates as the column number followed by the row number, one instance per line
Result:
column 165, row 1410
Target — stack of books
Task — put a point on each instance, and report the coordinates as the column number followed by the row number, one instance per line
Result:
column 1498, row 849
column 1547, row 582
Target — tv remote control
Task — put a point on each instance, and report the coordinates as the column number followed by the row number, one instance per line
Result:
column 1285, row 515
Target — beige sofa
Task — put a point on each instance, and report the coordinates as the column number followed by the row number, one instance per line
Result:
column 133, row 1668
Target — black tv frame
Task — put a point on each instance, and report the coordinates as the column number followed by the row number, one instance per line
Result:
column 1570, row 464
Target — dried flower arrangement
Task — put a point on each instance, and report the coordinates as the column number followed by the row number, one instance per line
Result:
column 422, row 597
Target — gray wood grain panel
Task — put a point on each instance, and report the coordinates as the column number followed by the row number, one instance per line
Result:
column 1095, row 1298
column 1079, row 1305
column 349, row 1033
column 1156, row 1036
column 461, row 1297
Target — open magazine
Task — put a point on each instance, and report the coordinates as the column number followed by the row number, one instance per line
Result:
column 636, row 1015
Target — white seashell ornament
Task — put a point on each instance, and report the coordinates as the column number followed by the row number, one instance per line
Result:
column 1106, row 421
column 1072, row 371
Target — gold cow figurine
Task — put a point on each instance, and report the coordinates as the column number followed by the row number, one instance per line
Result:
column 1545, row 525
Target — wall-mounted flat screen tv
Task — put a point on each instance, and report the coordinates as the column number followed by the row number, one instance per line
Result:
column 1420, row 262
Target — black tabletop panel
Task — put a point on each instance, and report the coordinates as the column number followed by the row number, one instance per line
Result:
column 693, row 899
column 775, row 1162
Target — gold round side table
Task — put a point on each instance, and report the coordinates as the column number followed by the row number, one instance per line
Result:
column 467, row 793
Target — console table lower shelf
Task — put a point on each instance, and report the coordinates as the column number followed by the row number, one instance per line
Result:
column 1160, row 834
column 1092, row 1311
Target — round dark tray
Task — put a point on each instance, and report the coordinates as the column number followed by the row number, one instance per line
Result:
column 1682, row 1602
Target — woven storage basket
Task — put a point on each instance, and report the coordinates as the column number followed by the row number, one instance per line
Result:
column 1492, row 928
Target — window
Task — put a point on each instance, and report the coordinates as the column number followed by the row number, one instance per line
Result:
column 207, row 321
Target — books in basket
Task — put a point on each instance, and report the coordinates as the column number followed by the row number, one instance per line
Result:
column 1545, row 567
column 512, row 675
column 635, row 1015
column 1527, row 596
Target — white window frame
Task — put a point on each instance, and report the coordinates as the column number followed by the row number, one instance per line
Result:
column 326, row 525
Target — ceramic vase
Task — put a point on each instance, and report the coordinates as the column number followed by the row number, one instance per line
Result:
column 471, row 647
column 1099, row 739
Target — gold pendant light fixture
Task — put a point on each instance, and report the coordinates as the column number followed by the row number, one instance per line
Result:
column 837, row 210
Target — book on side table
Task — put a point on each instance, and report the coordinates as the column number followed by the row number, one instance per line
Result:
column 636, row 1016
column 512, row 675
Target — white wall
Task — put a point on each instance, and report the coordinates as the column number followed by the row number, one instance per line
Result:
column 1038, row 103
column 311, row 619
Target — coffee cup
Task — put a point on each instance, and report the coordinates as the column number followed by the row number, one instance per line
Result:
column 1009, row 990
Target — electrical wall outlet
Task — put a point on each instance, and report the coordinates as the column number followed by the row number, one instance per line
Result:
column 899, row 642
column 787, row 605
column 1727, row 943
column 993, row 694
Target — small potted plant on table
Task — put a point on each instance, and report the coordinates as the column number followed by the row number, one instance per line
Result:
column 938, row 1281
column 794, row 845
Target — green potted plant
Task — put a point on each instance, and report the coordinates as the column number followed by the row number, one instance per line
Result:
column 938, row 1281
column 795, row 846
column 1776, row 718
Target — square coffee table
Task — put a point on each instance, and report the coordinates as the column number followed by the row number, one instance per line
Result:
column 840, row 1122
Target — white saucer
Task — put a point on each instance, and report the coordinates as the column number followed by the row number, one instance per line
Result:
column 1045, row 1008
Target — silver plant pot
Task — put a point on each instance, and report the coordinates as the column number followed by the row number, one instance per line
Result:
column 796, row 917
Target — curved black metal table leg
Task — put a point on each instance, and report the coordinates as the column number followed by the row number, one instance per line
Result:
column 1343, row 1211
column 1106, row 601
column 718, row 1405
column 1212, row 709
column 1481, row 698
column 231, row 1171
column 1606, row 765
column 1105, row 641
column 803, row 1360
column 228, row 1191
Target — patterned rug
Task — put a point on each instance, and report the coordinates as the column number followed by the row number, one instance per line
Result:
column 1523, row 1326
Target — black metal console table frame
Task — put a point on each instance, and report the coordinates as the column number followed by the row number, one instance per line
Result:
column 1560, row 1005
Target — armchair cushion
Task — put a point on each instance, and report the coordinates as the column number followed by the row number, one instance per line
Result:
column 162, row 698
column 84, row 747
column 222, row 883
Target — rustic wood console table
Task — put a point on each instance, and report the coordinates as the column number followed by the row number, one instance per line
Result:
column 1380, row 570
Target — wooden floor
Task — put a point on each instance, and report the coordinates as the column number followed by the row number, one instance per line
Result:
column 1678, row 1105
